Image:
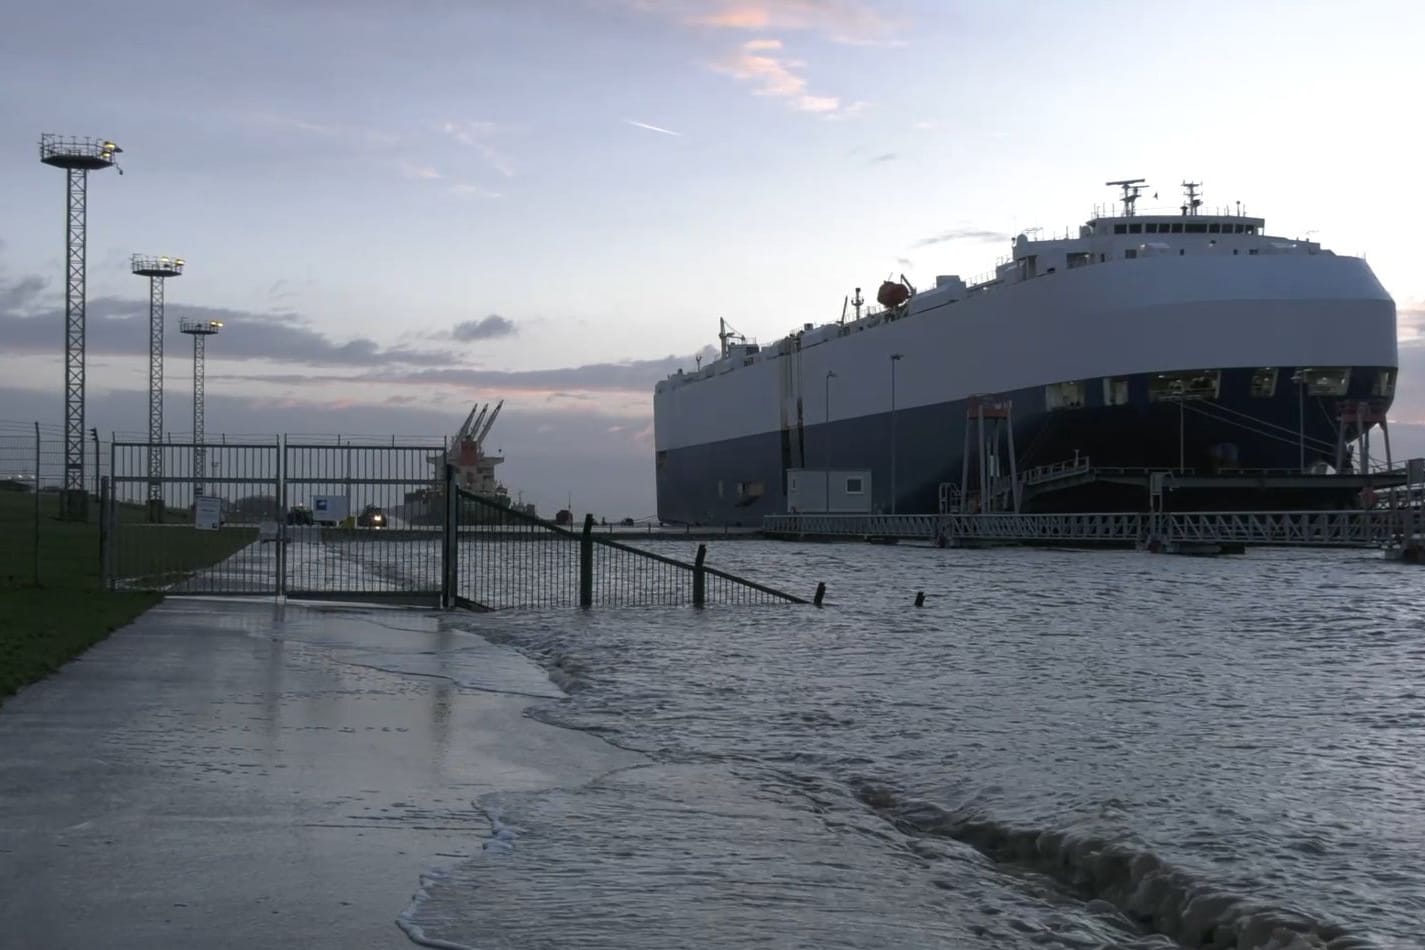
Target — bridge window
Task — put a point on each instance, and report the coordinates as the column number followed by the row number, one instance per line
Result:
column 1115, row 392
column 1264, row 383
column 1195, row 228
column 1120, row 229
column 1068, row 395
column 1177, row 227
column 855, row 486
column 1135, row 229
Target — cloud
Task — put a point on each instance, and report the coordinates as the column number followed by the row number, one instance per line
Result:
column 631, row 376
column 356, row 134
column 1410, row 321
column 905, row 262
column 964, row 234
column 467, row 190
column 21, row 293
column 774, row 76
column 652, row 128
column 486, row 328
column 118, row 326
column 417, row 172
column 477, row 135
column 842, row 21
column 886, row 157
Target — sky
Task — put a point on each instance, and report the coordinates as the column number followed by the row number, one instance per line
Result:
column 401, row 208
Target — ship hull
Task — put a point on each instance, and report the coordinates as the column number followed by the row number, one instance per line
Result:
column 739, row 481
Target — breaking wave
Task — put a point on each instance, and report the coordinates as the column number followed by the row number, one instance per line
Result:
column 1148, row 891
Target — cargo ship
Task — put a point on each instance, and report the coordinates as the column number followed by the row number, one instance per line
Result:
column 1248, row 366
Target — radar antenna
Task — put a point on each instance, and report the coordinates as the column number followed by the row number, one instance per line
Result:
column 1193, row 201
column 1132, row 188
column 725, row 335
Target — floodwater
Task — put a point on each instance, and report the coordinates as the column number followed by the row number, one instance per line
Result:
column 1060, row 749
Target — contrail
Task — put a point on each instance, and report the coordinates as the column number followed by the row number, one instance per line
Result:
column 651, row 128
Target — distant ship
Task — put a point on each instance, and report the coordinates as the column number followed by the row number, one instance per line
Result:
column 1187, row 341
column 474, row 471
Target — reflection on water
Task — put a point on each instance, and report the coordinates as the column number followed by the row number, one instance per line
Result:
column 1061, row 749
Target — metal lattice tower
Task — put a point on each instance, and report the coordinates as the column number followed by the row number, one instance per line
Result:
column 199, row 330
column 78, row 157
column 157, row 270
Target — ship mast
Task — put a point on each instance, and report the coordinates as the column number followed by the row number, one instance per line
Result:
column 1132, row 187
column 725, row 336
column 1193, row 202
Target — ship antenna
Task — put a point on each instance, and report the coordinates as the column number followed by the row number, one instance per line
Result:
column 721, row 337
column 1132, row 187
column 844, row 302
column 856, row 302
column 1193, row 201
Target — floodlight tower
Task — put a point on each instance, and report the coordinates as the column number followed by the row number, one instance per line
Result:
column 199, row 330
column 157, row 270
column 78, row 157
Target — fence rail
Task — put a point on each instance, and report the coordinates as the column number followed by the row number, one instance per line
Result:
column 1372, row 527
column 498, row 558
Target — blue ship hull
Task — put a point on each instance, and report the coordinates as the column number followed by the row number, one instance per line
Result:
column 741, row 480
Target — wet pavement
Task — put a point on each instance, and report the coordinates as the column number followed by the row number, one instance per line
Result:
column 234, row 774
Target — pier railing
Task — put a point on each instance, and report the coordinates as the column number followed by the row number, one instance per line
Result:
column 1372, row 527
column 497, row 557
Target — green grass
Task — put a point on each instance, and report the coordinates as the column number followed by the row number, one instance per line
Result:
column 44, row 625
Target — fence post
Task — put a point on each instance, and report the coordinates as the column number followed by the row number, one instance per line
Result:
column 106, row 502
column 37, row 504
column 284, row 530
column 700, row 577
column 449, row 554
column 586, row 563
column 98, row 487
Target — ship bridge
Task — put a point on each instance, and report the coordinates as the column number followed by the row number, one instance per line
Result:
column 1127, row 235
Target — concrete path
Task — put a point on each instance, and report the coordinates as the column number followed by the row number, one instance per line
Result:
column 230, row 774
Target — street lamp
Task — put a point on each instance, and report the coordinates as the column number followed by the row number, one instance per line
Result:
column 1299, row 377
column 826, row 502
column 895, row 358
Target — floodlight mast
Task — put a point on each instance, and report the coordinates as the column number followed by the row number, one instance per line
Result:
column 157, row 270
column 78, row 157
column 199, row 330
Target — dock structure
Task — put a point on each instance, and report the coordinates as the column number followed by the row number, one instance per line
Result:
column 1196, row 532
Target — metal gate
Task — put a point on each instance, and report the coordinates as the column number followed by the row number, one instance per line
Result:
column 151, row 538
column 359, row 524
column 317, row 521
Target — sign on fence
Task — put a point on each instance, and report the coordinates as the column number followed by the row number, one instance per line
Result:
column 207, row 513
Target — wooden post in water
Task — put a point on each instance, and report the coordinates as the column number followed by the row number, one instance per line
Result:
column 700, row 578
column 820, row 593
column 586, row 563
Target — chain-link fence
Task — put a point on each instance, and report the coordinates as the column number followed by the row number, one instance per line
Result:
column 40, row 545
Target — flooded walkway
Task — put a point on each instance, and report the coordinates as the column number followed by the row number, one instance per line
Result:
column 234, row 774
